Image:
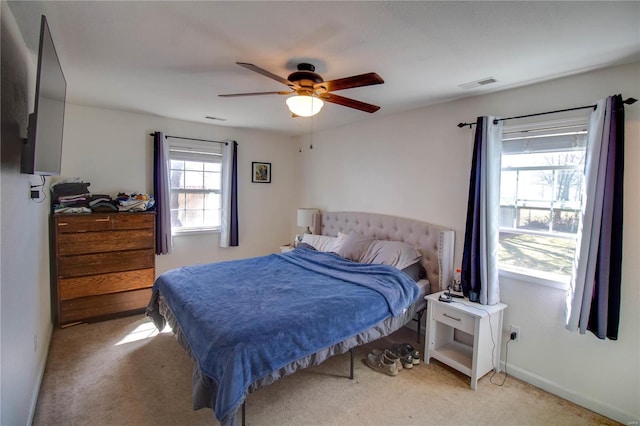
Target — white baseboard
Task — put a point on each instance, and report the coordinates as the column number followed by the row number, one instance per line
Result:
column 599, row 407
column 41, row 368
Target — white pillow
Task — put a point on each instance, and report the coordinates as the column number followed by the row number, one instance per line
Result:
column 354, row 246
column 323, row 242
column 393, row 253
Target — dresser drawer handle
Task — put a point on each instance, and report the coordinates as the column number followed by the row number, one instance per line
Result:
column 103, row 220
column 453, row 318
column 62, row 223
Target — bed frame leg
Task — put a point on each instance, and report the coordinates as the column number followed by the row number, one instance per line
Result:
column 352, row 352
column 243, row 413
column 420, row 314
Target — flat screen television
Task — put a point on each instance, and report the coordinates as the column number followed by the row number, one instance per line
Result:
column 42, row 150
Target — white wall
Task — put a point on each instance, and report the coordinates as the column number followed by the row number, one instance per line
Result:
column 114, row 152
column 416, row 165
column 25, row 314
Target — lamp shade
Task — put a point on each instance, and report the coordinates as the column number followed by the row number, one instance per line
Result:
column 304, row 105
column 305, row 218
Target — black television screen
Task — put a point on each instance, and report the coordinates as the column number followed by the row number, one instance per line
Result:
column 42, row 151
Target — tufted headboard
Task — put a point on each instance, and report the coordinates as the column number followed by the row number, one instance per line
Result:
column 434, row 242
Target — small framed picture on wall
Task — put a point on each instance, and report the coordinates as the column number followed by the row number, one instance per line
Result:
column 260, row 172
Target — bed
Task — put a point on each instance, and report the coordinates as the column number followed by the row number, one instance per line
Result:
column 246, row 323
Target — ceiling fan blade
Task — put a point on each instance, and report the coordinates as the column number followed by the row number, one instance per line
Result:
column 266, row 73
column 351, row 103
column 368, row 79
column 232, row 95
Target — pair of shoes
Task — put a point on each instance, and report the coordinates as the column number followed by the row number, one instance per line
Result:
column 389, row 356
column 403, row 356
column 405, row 350
column 381, row 364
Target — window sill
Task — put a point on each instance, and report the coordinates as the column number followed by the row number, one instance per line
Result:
column 196, row 231
column 558, row 282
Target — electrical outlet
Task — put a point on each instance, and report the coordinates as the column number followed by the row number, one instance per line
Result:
column 514, row 330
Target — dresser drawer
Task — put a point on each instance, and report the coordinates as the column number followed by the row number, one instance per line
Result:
column 104, row 222
column 123, row 221
column 454, row 318
column 102, row 263
column 99, row 242
column 109, row 304
column 93, row 285
column 83, row 223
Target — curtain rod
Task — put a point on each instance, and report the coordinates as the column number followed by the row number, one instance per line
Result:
column 189, row 139
column 627, row 101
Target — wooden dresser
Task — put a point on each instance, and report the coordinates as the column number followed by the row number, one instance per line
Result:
column 103, row 264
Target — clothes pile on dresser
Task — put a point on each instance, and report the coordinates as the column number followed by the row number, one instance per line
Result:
column 135, row 202
column 72, row 195
column 102, row 203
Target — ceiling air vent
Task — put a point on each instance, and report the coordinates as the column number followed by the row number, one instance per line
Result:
column 477, row 83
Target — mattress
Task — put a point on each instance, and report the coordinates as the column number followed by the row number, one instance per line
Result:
column 424, row 288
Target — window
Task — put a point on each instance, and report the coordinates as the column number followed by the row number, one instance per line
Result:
column 195, row 174
column 542, row 176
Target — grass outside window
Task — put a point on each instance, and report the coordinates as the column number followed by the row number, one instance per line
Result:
column 542, row 253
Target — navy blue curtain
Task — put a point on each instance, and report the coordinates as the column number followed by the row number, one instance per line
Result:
column 161, row 194
column 470, row 271
column 233, row 219
column 604, row 316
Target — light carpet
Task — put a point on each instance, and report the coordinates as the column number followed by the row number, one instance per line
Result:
column 121, row 372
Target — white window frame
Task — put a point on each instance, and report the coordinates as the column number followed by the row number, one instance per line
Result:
column 199, row 151
column 529, row 131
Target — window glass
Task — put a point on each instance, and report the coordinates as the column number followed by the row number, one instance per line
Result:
column 540, row 199
column 195, row 189
column 212, row 180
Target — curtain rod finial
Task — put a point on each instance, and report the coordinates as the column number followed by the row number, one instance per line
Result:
column 630, row 101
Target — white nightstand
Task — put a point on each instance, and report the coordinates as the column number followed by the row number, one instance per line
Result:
column 462, row 334
column 284, row 249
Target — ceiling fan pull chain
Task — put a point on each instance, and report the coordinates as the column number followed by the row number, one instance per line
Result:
column 311, row 141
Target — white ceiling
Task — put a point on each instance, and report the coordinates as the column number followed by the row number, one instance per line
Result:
column 172, row 58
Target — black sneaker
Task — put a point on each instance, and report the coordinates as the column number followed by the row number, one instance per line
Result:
column 405, row 357
column 407, row 350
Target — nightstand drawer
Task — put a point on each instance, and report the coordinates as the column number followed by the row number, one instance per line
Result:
column 453, row 318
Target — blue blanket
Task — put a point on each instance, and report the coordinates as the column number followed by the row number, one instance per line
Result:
column 244, row 319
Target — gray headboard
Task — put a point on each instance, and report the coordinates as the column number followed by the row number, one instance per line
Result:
column 434, row 242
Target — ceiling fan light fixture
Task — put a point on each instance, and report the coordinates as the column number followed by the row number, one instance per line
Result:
column 304, row 105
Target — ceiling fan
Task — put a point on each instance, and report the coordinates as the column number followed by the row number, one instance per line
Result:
column 311, row 90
